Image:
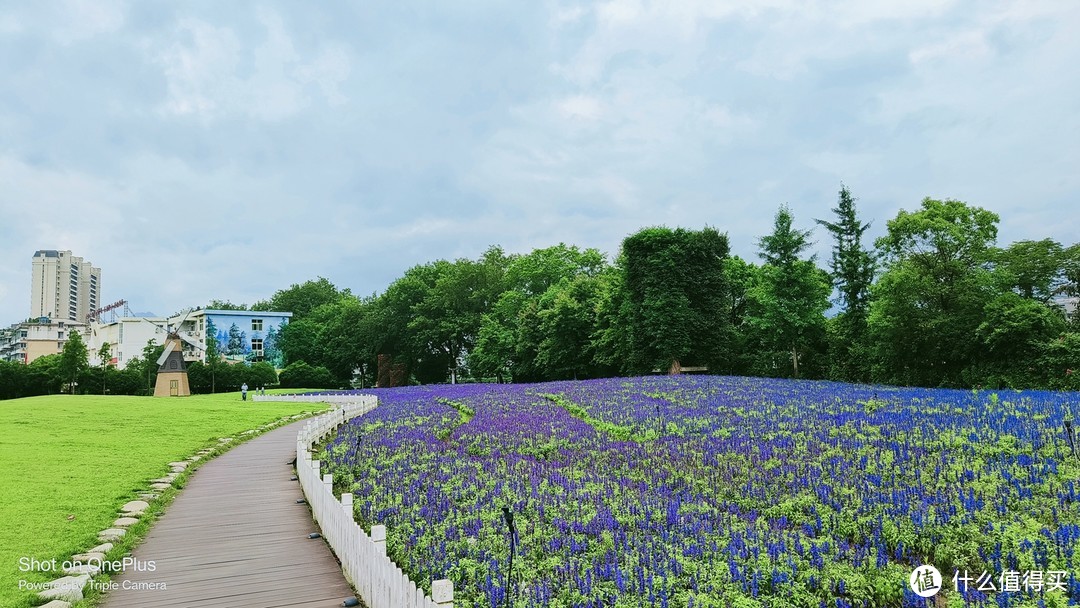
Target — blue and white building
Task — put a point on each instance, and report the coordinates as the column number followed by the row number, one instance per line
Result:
column 240, row 335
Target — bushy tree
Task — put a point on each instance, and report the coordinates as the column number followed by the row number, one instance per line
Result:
column 567, row 318
column 509, row 338
column 262, row 374
column 225, row 305
column 74, row 360
column 302, row 375
column 1014, row 334
column 301, row 299
column 930, row 300
column 675, row 285
column 748, row 341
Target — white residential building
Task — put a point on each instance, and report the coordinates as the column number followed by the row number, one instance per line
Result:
column 127, row 337
column 63, row 286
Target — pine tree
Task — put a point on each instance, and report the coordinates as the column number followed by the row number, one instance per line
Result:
column 793, row 294
column 852, row 269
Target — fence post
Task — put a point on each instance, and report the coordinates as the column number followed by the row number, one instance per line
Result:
column 378, row 536
column 346, row 504
column 442, row 593
column 328, row 483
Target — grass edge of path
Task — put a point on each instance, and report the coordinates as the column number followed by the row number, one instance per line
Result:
column 93, row 596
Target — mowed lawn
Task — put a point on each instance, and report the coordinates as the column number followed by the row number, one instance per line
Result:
column 84, row 456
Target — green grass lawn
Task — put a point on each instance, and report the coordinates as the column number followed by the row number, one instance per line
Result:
column 87, row 455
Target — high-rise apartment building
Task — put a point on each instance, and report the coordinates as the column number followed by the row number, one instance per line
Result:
column 63, row 286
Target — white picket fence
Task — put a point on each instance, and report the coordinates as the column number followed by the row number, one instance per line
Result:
column 377, row 580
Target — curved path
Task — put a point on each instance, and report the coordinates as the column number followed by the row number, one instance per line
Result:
column 235, row 537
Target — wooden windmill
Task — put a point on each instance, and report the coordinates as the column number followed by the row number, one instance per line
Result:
column 172, row 377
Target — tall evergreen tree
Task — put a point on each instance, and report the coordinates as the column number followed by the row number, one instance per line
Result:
column 793, row 293
column 213, row 353
column 852, row 268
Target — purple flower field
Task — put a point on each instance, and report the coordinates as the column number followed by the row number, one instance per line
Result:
column 715, row 491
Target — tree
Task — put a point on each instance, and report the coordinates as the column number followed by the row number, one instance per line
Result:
column 302, row 299
column 104, row 356
column 747, row 342
column 235, row 345
column 1014, row 333
column 344, row 335
column 213, row 354
column 225, row 305
column 11, row 380
column 567, row 319
column 1035, row 270
column 508, row 342
column 199, row 378
column 793, row 294
column 929, row 302
column 262, row 374
column 853, row 269
column 675, row 285
column 1071, row 264
column 302, row 375
column 150, row 354
column 44, row 376
column 448, row 302
column 73, row 360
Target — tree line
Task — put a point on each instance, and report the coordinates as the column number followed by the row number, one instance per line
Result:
column 933, row 302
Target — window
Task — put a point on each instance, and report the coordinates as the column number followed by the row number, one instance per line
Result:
column 257, row 346
column 256, row 325
column 59, row 335
column 60, row 346
column 22, row 334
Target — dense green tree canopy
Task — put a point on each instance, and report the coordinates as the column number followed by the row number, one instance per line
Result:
column 675, row 285
column 930, row 300
column 301, row 299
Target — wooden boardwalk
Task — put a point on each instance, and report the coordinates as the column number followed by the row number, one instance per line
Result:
column 235, row 537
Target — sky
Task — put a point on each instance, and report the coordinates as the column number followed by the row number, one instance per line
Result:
column 225, row 150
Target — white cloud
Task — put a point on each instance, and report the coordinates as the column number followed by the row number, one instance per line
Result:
column 10, row 24
column 580, row 124
column 79, row 20
column 329, row 69
column 582, row 107
column 565, row 15
column 965, row 46
column 200, row 69
column 206, row 70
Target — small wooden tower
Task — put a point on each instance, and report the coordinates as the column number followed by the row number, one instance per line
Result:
column 172, row 378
